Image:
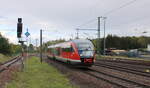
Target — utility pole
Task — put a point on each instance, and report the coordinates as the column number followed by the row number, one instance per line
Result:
column 84, row 30
column 27, row 46
column 27, row 38
column 77, row 33
column 104, row 18
column 41, row 45
column 36, row 41
column 98, row 41
column 71, row 37
column 30, row 40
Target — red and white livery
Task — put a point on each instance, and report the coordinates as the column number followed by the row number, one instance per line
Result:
column 77, row 52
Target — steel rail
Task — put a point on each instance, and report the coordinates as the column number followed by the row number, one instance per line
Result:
column 8, row 63
column 119, row 78
column 133, row 62
column 125, row 69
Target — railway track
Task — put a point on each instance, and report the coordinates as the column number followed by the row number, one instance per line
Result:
column 134, row 69
column 125, row 61
column 124, row 69
column 7, row 64
column 115, row 80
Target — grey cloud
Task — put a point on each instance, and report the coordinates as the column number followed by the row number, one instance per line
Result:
column 66, row 15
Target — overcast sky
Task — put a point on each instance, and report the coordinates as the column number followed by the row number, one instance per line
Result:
column 60, row 18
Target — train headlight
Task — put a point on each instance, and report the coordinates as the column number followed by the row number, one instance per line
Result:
column 81, row 54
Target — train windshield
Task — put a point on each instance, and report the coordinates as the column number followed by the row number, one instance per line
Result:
column 85, row 49
column 85, row 46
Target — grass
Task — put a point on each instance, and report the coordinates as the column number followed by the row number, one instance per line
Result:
column 4, row 58
column 37, row 75
column 120, row 57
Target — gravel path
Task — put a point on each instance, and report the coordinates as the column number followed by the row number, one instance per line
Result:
column 7, row 75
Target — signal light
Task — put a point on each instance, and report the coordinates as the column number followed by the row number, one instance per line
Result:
column 19, row 27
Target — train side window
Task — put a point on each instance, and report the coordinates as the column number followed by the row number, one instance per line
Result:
column 65, row 49
column 70, row 49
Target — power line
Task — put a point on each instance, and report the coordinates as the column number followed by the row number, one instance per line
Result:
column 109, row 12
column 122, row 6
column 133, row 21
column 90, row 21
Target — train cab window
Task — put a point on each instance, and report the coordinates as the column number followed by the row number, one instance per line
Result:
column 71, row 49
column 85, row 46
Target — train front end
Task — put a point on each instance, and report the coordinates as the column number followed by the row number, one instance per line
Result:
column 86, row 52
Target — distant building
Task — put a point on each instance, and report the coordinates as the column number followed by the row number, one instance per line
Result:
column 134, row 50
column 148, row 47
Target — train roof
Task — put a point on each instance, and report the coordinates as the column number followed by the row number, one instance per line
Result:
column 81, row 41
column 76, row 41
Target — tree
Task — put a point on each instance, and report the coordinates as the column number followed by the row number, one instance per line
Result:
column 16, row 49
column 113, row 41
column 31, row 48
column 5, row 47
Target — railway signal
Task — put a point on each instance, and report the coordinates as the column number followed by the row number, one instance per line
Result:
column 19, row 32
column 19, row 27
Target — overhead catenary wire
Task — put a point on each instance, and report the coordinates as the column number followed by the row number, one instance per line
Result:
column 90, row 21
column 120, row 7
column 99, row 23
column 133, row 21
column 109, row 12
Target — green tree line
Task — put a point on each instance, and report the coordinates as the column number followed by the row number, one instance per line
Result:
column 114, row 41
column 7, row 48
column 126, row 43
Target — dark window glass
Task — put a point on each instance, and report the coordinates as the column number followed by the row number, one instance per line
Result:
column 70, row 49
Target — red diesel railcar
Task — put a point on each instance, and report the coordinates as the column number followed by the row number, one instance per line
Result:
column 77, row 52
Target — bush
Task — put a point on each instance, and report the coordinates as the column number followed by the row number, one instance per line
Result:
column 5, row 47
